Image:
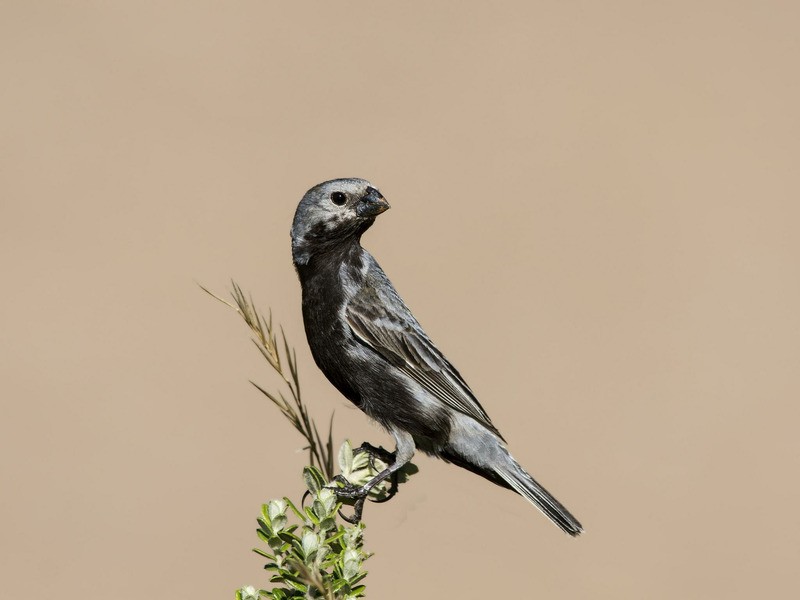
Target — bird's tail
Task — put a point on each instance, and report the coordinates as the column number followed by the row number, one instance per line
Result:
column 526, row 486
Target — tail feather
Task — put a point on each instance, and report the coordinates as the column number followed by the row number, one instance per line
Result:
column 526, row 486
column 512, row 476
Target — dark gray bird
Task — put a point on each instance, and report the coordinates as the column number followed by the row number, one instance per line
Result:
column 368, row 344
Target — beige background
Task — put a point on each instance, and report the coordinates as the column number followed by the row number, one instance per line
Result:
column 595, row 215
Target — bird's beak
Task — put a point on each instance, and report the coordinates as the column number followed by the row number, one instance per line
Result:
column 372, row 204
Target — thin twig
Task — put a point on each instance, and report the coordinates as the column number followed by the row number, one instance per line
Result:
column 266, row 340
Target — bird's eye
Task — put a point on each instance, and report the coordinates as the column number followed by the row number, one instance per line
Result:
column 338, row 198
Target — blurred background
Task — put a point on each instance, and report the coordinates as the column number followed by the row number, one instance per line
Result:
column 594, row 214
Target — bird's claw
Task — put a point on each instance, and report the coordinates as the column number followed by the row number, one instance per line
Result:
column 388, row 458
column 346, row 490
column 358, row 508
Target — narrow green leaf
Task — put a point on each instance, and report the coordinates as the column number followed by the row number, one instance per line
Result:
column 311, row 516
column 346, row 458
column 300, row 587
column 358, row 577
column 313, row 479
column 327, row 524
column 266, row 393
column 299, row 514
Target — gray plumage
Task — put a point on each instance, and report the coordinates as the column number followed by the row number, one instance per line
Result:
column 366, row 341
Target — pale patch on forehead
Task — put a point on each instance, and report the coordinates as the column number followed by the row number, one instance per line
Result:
column 347, row 186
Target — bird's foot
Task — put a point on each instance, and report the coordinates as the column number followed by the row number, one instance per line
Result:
column 388, row 458
column 348, row 491
column 358, row 509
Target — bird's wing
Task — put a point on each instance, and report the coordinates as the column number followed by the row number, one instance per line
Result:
column 379, row 319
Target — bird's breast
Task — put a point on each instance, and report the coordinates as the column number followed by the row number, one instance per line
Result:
column 329, row 337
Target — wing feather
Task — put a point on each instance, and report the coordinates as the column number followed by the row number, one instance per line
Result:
column 398, row 338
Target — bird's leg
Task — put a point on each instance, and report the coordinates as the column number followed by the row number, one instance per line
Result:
column 403, row 453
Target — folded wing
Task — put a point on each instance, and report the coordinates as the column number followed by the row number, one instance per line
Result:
column 380, row 320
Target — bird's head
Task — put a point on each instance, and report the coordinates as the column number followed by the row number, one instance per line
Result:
column 332, row 213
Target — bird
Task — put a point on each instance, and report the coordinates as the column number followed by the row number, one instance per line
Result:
column 370, row 346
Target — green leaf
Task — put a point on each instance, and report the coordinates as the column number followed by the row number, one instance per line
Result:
column 300, row 587
column 328, row 499
column 276, row 508
column 358, row 577
column 278, row 523
column 351, row 563
column 346, row 458
column 310, row 543
column 327, row 523
column 248, row 592
column 322, row 552
column 336, row 536
column 319, row 509
column 289, row 538
column 275, row 543
column 314, row 479
column 295, row 510
column 311, row 516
